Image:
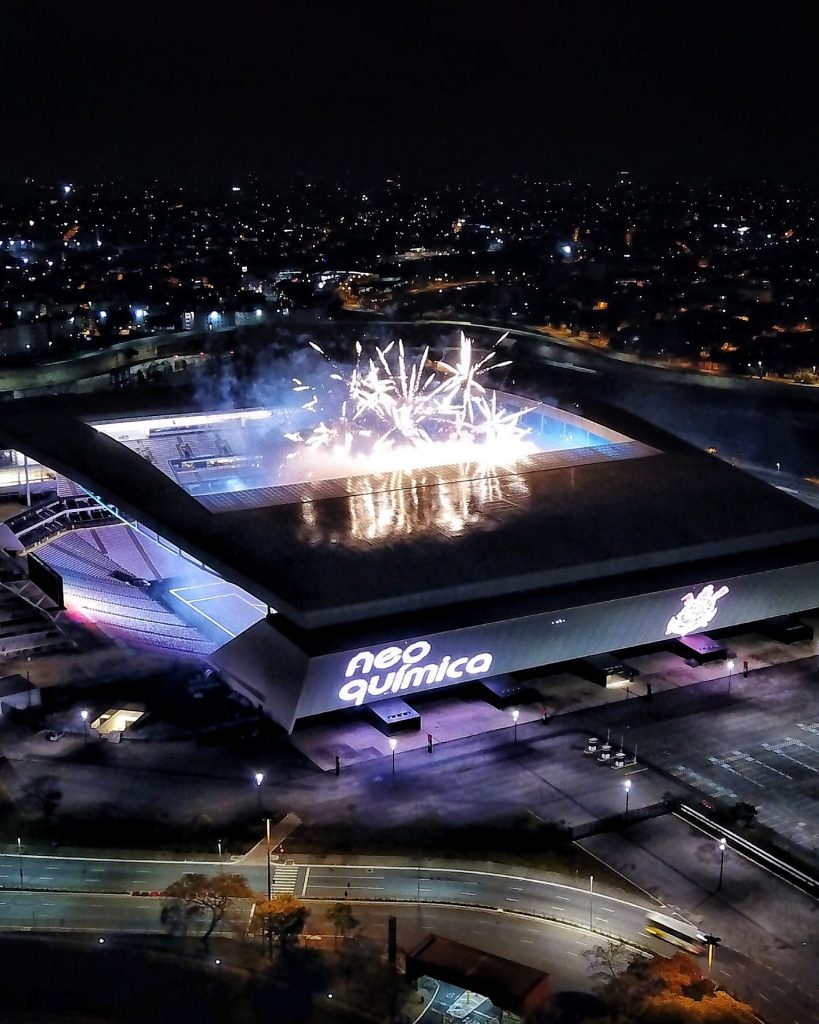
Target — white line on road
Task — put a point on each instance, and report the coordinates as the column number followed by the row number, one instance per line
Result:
column 763, row 996
column 516, row 888
column 46, row 878
column 512, row 899
column 469, row 894
column 566, row 899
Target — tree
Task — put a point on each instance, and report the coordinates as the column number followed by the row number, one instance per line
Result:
column 340, row 916
column 280, row 919
column 203, row 894
column 43, row 794
column 670, row 991
column 606, row 962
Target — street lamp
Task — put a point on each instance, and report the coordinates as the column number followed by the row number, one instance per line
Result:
column 730, row 673
column 515, row 717
column 393, row 745
column 627, row 787
column 258, row 778
column 20, row 859
column 591, row 903
column 722, row 846
column 219, row 848
column 84, row 717
column 712, row 941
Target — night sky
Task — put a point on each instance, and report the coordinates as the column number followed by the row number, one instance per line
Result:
column 574, row 89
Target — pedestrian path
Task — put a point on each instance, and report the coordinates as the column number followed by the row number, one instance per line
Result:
column 283, row 878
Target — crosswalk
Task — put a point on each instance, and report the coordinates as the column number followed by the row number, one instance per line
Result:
column 283, row 878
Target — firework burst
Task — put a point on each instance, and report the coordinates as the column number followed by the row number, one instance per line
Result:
column 392, row 409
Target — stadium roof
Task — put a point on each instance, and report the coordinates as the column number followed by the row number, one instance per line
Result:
column 653, row 505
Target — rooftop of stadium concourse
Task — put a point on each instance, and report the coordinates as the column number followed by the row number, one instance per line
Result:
column 538, row 527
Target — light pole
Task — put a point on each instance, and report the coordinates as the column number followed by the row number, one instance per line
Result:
column 219, row 848
column 20, row 859
column 269, row 893
column 515, row 717
column 712, row 941
column 591, row 903
column 258, row 778
column 730, row 673
column 722, row 845
column 84, row 717
column 393, row 745
column 627, row 787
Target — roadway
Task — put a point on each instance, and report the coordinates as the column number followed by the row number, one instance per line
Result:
column 542, row 922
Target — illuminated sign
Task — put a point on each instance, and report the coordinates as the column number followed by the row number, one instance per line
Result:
column 394, row 669
column 696, row 612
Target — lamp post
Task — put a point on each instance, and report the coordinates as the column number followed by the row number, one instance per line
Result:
column 84, row 717
column 515, row 717
column 269, row 892
column 712, row 941
column 219, row 848
column 393, row 745
column 20, row 859
column 627, row 788
column 730, row 673
column 722, row 846
column 258, row 778
column 591, row 903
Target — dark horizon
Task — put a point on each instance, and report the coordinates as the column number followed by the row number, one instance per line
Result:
column 421, row 90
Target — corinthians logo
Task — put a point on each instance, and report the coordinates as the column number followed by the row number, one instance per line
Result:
column 395, row 669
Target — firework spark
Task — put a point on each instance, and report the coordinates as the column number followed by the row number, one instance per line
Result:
column 397, row 410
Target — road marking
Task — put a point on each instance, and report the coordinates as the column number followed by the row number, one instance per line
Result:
column 553, row 907
column 763, row 996
column 469, row 894
column 565, row 899
column 512, row 899
column 46, row 878
column 516, row 888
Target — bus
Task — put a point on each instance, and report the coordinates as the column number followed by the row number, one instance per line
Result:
column 675, row 930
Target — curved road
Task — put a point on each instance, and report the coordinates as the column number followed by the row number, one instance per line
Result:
column 547, row 923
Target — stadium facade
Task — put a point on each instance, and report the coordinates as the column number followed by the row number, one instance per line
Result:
column 311, row 592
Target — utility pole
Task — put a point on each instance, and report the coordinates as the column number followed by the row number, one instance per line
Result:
column 269, row 894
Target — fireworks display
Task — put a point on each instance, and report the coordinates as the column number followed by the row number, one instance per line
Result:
column 395, row 411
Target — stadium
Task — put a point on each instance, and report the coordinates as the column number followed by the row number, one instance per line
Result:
column 392, row 528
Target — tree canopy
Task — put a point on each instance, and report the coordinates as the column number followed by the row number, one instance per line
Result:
column 341, row 917
column 281, row 918
column 670, row 991
column 207, row 894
